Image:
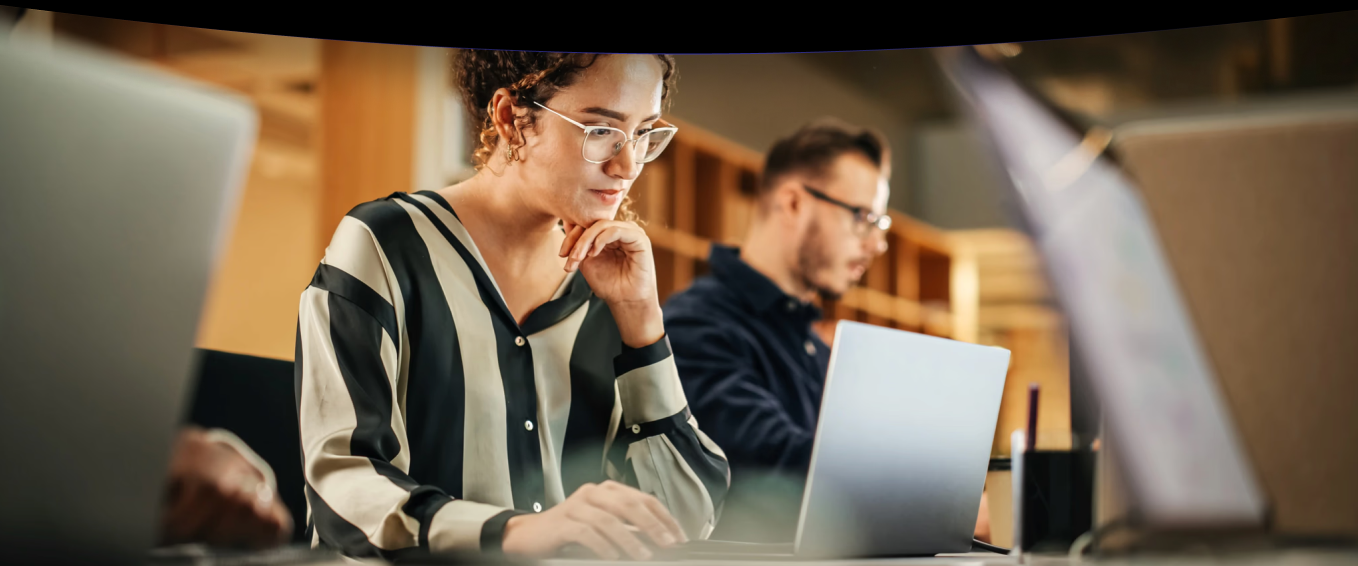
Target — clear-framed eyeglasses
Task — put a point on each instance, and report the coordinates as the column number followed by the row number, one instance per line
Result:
column 863, row 218
column 603, row 143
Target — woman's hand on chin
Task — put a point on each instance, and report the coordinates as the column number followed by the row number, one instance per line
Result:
column 615, row 257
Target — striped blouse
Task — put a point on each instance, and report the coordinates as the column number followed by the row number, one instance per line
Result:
column 429, row 416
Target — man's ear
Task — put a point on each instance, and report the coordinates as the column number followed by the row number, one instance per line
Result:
column 787, row 198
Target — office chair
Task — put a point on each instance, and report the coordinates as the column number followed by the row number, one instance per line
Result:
column 254, row 398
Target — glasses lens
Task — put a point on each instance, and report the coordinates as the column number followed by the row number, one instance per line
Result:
column 601, row 144
column 652, row 143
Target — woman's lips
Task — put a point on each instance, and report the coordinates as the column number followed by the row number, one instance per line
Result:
column 608, row 197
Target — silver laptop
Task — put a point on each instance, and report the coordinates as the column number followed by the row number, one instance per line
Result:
column 116, row 185
column 907, row 422
column 902, row 446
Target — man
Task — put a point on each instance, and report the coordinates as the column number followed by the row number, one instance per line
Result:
column 751, row 365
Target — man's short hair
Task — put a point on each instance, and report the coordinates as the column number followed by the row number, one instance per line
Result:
column 812, row 149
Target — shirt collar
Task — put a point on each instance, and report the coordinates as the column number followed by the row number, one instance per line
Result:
column 756, row 289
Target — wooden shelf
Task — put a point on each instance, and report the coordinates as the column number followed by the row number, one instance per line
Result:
column 1014, row 311
column 876, row 304
column 701, row 190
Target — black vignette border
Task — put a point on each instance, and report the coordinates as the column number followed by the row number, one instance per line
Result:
column 678, row 28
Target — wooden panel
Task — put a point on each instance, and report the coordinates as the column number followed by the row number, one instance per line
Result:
column 664, row 273
column 935, row 277
column 736, row 207
column 878, row 278
column 742, row 205
column 1041, row 357
column 251, row 303
column 367, row 125
column 735, row 153
column 651, row 194
column 684, row 193
column 137, row 39
column 906, row 285
column 709, row 173
column 857, row 304
column 963, row 295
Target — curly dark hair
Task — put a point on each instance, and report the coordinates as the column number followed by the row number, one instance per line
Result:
column 529, row 76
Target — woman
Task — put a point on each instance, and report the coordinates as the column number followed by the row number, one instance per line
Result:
column 485, row 366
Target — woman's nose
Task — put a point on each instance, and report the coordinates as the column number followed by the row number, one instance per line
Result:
column 624, row 165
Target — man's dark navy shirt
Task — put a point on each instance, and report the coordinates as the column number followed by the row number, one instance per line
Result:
column 753, row 371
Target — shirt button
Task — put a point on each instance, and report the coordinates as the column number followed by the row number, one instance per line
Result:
column 519, row 341
column 791, row 306
column 537, row 507
column 810, row 348
column 636, row 429
column 528, row 425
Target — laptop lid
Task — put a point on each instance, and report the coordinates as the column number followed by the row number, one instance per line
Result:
column 118, row 182
column 906, row 426
column 1183, row 462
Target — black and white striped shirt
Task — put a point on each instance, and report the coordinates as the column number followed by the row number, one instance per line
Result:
column 429, row 416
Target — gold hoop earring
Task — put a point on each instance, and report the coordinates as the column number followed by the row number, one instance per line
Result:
column 511, row 155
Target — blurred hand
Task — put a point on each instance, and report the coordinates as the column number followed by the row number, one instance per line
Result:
column 217, row 497
column 606, row 518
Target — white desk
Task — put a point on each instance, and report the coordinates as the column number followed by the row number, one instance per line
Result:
column 970, row 559
column 1280, row 558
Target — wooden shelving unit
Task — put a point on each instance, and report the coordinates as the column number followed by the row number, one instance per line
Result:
column 1015, row 311
column 700, row 191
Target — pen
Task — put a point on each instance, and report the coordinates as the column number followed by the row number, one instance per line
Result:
column 1031, row 440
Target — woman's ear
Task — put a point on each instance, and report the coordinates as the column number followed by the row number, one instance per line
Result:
column 502, row 116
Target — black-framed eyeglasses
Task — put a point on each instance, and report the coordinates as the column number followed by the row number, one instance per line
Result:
column 862, row 216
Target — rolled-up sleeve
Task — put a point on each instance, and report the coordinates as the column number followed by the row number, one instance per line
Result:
column 659, row 448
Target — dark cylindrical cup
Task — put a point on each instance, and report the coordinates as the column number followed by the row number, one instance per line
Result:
column 1056, row 503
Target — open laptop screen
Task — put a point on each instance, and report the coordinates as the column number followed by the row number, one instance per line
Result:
column 1179, row 451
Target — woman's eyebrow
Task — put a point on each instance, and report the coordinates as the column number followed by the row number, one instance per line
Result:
column 614, row 114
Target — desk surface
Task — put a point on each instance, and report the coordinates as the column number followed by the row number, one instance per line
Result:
column 1287, row 558
column 1283, row 558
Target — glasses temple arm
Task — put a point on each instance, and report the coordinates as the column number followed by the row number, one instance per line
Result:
column 563, row 116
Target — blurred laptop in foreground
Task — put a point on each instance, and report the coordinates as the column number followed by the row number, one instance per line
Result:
column 119, row 186
column 1180, row 452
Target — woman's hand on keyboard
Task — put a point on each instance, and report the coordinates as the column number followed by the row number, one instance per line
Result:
column 608, row 519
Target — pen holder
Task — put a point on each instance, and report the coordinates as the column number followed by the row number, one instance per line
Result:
column 1053, row 497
